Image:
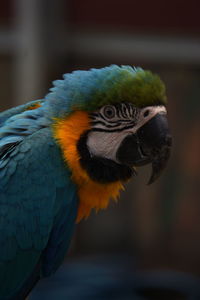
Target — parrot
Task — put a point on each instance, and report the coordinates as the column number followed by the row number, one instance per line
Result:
column 68, row 154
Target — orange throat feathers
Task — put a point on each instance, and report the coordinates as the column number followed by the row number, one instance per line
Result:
column 91, row 194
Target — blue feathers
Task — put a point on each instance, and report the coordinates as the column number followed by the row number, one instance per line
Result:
column 15, row 111
column 31, row 205
column 78, row 88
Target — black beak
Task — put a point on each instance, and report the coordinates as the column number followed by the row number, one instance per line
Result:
column 150, row 144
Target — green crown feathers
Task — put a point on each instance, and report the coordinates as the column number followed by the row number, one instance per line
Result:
column 89, row 90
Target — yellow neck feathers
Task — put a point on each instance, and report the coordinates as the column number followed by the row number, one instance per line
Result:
column 91, row 194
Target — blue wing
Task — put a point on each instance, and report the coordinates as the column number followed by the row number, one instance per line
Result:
column 5, row 115
column 38, row 204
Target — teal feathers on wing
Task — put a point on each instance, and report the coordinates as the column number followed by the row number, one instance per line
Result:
column 38, row 201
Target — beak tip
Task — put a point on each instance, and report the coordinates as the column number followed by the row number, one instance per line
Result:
column 158, row 166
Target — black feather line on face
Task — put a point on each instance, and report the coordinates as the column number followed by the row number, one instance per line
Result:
column 113, row 130
column 101, row 169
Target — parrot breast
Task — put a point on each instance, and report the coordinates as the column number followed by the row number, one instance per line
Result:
column 91, row 193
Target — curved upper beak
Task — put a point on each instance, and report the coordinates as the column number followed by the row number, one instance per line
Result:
column 155, row 142
column 151, row 143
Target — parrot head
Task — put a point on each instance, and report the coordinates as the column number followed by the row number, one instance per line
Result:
column 114, row 120
column 122, row 137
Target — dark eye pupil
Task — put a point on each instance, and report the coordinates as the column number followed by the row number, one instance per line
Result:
column 109, row 112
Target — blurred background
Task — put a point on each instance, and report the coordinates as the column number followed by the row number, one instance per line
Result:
column 158, row 226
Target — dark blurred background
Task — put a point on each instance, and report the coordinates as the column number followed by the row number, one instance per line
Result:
column 159, row 225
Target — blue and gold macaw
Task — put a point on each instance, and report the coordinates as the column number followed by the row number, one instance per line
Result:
column 68, row 153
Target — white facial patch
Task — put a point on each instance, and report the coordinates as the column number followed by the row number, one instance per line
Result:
column 105, row 144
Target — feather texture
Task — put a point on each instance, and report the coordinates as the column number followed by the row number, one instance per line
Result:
column 37, row 200
column 89, row 90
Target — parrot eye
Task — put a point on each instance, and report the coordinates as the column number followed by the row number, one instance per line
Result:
column 109, row 111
